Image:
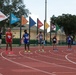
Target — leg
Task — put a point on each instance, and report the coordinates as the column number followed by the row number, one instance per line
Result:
column 6, row 46
column 53, row 46
column 39, row 45
column 10, row 44
column 25, row 47
column 70, row 46
column 28, row 46
column 42, row 46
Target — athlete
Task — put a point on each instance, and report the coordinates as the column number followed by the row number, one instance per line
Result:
column 25, row 39
column 8, row 39
column 40, row 41
column 69, row 41
column 54, row 43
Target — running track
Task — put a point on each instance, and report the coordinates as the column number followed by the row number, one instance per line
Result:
column 61, row 62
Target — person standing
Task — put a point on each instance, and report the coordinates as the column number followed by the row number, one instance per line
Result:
column 54, row 43
column 40, row 41
column 25, row 39
column 9, row 40
column 69, row 42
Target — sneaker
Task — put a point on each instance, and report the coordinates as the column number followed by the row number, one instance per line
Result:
column 39, row 50
column 11, row 52
column 29, row 51
column 42, row 50
column 25, row 51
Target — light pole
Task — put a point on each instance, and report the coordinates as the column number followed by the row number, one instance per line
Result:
column 45, row 10
column 45, row 18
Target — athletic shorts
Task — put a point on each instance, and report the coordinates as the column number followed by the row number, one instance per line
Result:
column 26, row 41
column 69, row 42
column 54, row 41
column 9, row 41
column 40, row 42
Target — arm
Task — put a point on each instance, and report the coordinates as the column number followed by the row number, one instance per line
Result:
column 22, row 37
column 37, row 36
column 6, row 36
column 12, row 37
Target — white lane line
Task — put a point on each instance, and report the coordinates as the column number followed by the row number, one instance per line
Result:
column 69, row 59
column 56, row 54
column 25, row 65
column 1, row 74
column 49, row 57
column 57, row 65
column 35, row 59
column 62, row 55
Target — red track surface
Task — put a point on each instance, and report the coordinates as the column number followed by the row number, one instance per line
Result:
column 61, row 62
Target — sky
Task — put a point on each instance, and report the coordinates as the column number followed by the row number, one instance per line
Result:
column 54, row 7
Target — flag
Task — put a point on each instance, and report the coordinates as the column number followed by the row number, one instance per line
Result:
column 39, row 23
column 13, row 19
column 46, row 25
column 31, row 22
column 57, row 28
column 23, row 20
column 53, row 27
column 2, row 16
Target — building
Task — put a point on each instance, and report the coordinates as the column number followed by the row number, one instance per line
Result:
column 33, row 33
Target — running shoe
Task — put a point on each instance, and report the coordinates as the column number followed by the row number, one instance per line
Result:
column 29, row 51
column 42, row 50
column 25, row 51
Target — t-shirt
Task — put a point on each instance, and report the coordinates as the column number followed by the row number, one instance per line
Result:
column 69, row 39
column 8, row 36
column 54, row 39
column 40, row 36
column 26, row 36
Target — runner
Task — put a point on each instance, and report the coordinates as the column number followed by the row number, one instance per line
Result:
column 8, row 39
column 69, row 42
column 25, row 39
column 40, row 41
column 54, row 43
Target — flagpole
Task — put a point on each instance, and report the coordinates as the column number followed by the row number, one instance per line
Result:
column 45, row 31
column 50, row 31
column 29, row 29
column 45, row 10
column 37, row 25
column 10, row 21
column 37, row 30
column 20, row 31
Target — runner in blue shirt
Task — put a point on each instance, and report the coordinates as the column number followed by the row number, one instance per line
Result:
column 69, row 41
column 25, row 39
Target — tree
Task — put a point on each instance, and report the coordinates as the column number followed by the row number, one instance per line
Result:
column 16, row 7
column 68, row 22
